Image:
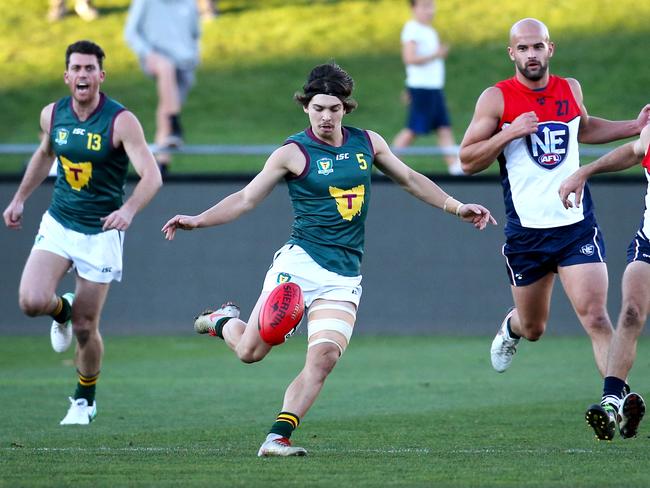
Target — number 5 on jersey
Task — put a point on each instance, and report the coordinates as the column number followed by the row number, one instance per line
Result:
column 362, row 162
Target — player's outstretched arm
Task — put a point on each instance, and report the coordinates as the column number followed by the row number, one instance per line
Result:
column 129, row 133
column 423, row 188
column 595, row 130
column 37, row 170
column 284, row 160
column 619, row 159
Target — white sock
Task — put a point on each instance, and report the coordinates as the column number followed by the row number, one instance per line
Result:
column 614, row 401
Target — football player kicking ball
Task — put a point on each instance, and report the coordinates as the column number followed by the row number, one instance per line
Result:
column 327, row 168
column 617, row 403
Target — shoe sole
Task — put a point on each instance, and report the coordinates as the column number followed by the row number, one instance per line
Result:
column 633, row 410
column 597, row 419
column 273, row 454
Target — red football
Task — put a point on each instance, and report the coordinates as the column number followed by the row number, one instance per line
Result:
column 281, row 313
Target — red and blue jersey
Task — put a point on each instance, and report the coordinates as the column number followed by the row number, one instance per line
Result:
column 533, row 167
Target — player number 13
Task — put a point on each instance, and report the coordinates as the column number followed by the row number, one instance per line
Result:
column 94, row 141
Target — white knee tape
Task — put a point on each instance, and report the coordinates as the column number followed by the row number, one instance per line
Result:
column 325, row 339
column 337, row 325
column 334, row 306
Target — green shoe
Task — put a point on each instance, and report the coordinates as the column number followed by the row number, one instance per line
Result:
column 602, row 418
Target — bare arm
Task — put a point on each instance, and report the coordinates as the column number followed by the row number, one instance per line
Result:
column 423, row 188
column 37, row 170
column 284, row 160
column 128, row 132
column 619, row 159
column 595, row 130
column 483, row 142
column 410, row 55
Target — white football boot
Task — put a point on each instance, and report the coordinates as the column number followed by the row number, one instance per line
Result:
column 207, row 321
column 61, row 334
column 80, row 413
column 276, row 445
column 503, row 346
column 630, row 414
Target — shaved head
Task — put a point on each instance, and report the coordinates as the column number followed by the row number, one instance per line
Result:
column 531, row 50
column 529, row 26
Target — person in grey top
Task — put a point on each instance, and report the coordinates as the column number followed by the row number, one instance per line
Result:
column 165, row 36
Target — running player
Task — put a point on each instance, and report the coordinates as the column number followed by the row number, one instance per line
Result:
column 93, row 138
column 532, row 123
column 617, row 403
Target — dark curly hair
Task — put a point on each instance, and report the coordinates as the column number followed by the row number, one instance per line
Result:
column 328, row 79
column 85, row 47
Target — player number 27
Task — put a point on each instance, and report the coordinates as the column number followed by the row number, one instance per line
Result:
column 362, row 162
column 94, row 141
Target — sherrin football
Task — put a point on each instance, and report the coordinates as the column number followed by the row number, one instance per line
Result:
column 281, row 313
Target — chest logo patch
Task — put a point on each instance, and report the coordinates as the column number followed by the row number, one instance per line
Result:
column 61, row 137
column 349, row 202
column 548, row 147
column 325, row 166
column 76, row 174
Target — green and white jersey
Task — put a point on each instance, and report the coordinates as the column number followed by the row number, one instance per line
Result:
column 330, row 199
column 91, row 172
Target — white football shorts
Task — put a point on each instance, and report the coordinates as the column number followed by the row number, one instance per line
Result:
column 292, row 263
column 96, row 257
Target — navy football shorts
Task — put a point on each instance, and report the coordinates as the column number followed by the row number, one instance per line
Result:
column 639, row 249
column 531, row 254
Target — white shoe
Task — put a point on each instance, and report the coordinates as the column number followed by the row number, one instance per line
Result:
column 630, row 414
column 61, row 334
column 206, row 322
column 279, row 446
column 80, row 413
column 503, row 346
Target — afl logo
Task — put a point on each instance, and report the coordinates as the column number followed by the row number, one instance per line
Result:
column 548, row 147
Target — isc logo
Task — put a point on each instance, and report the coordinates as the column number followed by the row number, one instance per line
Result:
column 548, row 146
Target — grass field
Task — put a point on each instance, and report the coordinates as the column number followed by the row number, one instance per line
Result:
column 423, row 411
column 257, row 54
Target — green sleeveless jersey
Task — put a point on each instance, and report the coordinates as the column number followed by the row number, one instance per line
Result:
column 91, row 172
column 330, row 199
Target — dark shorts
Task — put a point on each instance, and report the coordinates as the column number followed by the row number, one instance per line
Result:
column 639, row 249
column 531, row 254
column 428, row 110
